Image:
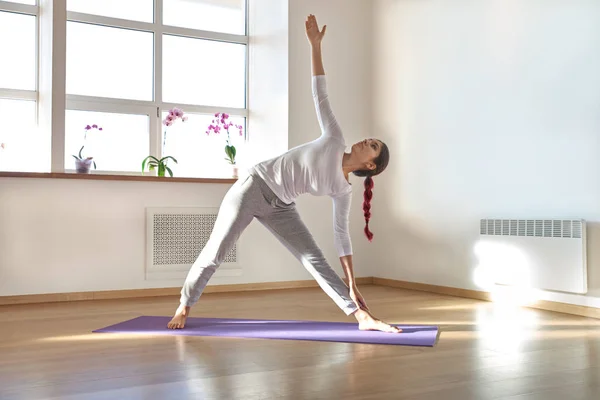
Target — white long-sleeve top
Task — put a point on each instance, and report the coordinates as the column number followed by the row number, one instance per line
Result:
column 316, row 168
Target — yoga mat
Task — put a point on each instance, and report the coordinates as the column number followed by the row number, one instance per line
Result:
column 274, row 329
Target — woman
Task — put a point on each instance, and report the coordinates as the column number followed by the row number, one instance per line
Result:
column 320, row 167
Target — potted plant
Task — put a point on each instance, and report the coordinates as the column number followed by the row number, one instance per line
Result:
column 222, row 123
column 161, row 165
column 83, row 165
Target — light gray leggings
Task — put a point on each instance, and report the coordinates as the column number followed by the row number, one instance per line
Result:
column 248, row 198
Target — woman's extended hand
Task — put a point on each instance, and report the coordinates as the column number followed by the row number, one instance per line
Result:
column 357, row 297
column 312, row 30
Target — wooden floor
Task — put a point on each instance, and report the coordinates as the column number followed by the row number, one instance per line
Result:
column 485, row 351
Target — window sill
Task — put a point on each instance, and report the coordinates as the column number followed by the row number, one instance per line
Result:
column 107, row 177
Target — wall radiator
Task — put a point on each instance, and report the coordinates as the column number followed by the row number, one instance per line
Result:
column 174, row 238
column 547, row 254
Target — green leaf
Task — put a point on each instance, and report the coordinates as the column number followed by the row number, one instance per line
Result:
column 230, row 151
column 151, row 167
column 144, row 163
column 80, row 151
column 94, row 164
column 146, row 159
column 169, row 171
column 75, row 157
column 166, row 158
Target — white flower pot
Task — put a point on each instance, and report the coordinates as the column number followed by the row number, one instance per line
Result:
column 83, row 166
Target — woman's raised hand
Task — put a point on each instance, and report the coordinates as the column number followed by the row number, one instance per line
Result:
column 312, row 30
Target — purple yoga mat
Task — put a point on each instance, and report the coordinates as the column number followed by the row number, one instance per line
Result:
column 274, row 329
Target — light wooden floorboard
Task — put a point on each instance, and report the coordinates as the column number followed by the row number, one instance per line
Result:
column 485, row 351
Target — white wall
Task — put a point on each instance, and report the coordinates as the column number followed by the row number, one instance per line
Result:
column 268, row 88
column 77, row 235
column 346, row 49
column 490, row 108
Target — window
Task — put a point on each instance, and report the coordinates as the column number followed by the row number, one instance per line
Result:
column 194, row 150
column 135, row 10
column 197, row 71
column 123, row 136
column 17, row 39
column 18, row 89
column 30, row 2
column 126, row 64
column 109, row 62
column 129, row 64
column 227, row 16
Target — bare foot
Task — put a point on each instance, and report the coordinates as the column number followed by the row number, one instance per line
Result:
column 366, row 322
column 178, row 321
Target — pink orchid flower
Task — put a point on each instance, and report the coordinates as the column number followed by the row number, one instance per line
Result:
column 174, row 114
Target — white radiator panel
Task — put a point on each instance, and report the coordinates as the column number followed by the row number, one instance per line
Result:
column 539, row 254
column 174, row 238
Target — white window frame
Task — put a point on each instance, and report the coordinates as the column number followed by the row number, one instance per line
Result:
column 19, row 94
column 52, row 23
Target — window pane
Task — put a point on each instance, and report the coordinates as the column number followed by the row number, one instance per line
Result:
column 26, row 148
column 227, row 16
column 121, row 145
column 136, row 10
column 204, row 72
column 109, row 62
column 30, row 2
column 17, row 46
column 199, row 154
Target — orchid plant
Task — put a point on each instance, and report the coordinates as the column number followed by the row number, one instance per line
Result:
column 161, row 165
column 222, row 123
column 79, row 157
column 174, row 114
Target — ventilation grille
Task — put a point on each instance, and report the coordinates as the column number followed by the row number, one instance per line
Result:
column 179, row 238
column 532, row 227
